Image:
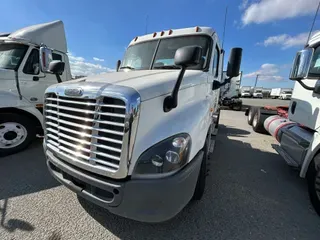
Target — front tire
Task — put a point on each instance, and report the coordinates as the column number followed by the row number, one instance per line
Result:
column 313, row 177
column 16, row 133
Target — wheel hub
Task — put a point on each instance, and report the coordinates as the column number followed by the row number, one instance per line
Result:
column 12, row 134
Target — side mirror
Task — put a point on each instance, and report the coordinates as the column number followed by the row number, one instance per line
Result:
column 184, row 57
column 233, row 69
column 301, row 64
column 118, row 65
column 188, row 56
column 56, row 67
column 45, row 59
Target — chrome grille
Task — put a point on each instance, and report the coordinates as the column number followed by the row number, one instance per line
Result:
column 90, row 130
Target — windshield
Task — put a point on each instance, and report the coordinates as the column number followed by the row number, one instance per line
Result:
column 246, row 91
column 11, row 55
column 258, row 91
column 143, row 56
column 287, row 92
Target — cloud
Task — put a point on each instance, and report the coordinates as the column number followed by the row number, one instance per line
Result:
column 80, row 66
column 244, row 4
column 271, row 10
column 267, row 72
column 98, row 59
column 286, row 41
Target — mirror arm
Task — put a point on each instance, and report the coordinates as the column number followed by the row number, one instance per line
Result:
column 171, row 101
column 58, row 78
column 305, row 86
column 228, row 80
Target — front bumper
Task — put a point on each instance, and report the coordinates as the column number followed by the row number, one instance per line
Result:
column 146, row 200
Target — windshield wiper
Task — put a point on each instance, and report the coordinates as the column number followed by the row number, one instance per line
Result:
column 167, row 67
column 127, row 67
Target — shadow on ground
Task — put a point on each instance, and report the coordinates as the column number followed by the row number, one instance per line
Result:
column 25, row 172
column 251, row 192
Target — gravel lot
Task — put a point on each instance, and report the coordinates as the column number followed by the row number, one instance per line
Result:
column 251, row 194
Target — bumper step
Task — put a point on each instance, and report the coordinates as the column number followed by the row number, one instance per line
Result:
column 285, row 156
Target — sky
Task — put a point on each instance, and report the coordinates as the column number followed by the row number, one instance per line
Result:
column 98, row 32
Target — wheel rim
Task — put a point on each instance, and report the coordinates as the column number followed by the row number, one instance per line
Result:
column 255, row 120
column 12, row 134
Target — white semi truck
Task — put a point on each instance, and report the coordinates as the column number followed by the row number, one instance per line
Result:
column 23, row 83
column 297, row 128
column 246, row 92
column 230, row 93
column 257, row 92
column 136, row 141
column 285, row 94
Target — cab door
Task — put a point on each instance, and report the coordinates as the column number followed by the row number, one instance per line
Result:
column 215, row 74
column 33, row 82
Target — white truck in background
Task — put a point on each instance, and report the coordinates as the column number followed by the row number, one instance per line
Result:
column 297, row 128
column 230, row 93
column 257, row 92
column 136, row 141
column 275, row 93
column 23, row 83
column 285, row 94
column 246, row 92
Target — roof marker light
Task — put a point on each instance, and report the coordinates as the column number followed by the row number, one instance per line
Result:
column 155, row 34
column 170, row 32
column 136, row 38
column 197, row 29
column 162, row 33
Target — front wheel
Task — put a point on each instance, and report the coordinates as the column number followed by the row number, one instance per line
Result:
column 252, row 111
column 313, row 177
column 16, row 133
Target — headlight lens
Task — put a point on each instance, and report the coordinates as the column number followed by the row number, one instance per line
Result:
column 165, row 157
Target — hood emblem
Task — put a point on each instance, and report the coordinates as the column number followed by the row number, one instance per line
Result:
column 73, row 91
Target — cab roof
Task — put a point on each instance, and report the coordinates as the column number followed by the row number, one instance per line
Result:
column 174, row 33
column 51, row 34
column 314, row 40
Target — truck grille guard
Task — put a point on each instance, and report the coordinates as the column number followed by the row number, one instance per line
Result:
column 95, row 132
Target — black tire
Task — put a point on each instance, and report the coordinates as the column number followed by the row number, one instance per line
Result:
column 252, row 111
column 313, row 177
column 29, row 134
column 258, row 122
column 201, row 182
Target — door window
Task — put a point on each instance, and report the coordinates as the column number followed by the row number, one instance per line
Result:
column 215, row 69
column 32, row 63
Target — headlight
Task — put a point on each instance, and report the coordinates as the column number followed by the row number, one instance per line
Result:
column 164, row 158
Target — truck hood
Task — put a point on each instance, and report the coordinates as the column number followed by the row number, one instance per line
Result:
column 149, row 83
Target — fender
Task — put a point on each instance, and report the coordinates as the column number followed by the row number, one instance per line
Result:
column 312, row 151
column 192, row 116
column 10, row 100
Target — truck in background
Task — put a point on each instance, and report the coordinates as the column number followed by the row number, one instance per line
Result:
column 246, row 92
column 230, row 93
column 275, row 93
column 137, row 141
column 257, row 92
column 23, row 83
column 296, row 127
column 285, row 93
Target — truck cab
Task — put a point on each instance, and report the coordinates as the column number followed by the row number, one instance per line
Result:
column 23, row 82
column 285, row 94
column 257, row 93
column 136, row 141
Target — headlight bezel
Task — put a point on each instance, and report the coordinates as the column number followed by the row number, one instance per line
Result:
column 144, row 168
